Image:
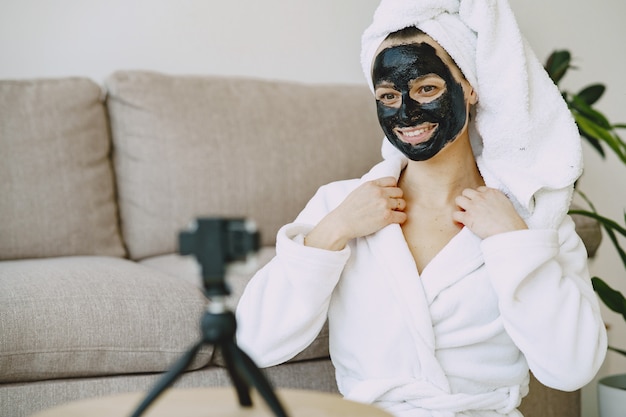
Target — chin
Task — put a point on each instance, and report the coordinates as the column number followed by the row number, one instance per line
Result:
column 421, row 152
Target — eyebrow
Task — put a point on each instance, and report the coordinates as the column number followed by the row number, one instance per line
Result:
column 424, row 77
column 385, row 83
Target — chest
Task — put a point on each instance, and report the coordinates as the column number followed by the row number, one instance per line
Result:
column 427, row 232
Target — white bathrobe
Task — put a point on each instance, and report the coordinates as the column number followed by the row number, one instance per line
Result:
column 456, row 340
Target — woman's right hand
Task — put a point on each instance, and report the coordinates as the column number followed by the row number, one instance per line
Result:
column 366, row 210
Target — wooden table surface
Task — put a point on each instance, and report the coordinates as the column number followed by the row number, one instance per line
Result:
column 222, row 402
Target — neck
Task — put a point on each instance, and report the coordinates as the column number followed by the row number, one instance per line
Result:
column 439, row 180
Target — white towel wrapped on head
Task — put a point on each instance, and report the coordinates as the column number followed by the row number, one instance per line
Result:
column 524, row 137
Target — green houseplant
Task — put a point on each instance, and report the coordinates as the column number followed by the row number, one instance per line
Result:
column 599, row 133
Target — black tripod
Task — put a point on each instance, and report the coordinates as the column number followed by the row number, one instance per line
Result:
column 215, row 242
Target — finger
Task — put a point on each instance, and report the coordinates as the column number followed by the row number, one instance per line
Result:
column 398, row 217
column 462, row 201
column 459, row 216
column 397, row 204
column 470, row 193
column 394, row 192
column 385, row 182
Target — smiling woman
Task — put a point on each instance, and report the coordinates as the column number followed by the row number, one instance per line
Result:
column 457, row 248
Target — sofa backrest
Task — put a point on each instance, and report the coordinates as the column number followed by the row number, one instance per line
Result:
column 189, row 146
column 57, row 194
column 183, row 147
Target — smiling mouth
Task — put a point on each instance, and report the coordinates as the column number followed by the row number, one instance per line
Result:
column 416, row 134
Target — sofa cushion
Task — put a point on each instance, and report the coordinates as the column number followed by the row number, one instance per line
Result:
column 56, row 178
column 208, row 146
column 89, row 316
column 237, row 277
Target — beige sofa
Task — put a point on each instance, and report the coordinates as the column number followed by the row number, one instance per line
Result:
column 96, row 183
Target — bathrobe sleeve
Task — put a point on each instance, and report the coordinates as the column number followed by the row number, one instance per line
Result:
column 285, row 305
column 547, row 303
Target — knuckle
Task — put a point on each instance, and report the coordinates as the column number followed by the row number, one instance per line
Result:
column 382, row 203
column 388, row 215
column 377, row 192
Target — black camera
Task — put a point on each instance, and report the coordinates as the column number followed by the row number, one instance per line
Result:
column 216, row 242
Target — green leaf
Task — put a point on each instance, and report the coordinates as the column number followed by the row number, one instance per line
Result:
column 596, row 128
column 615, row 242
column 589, row 127
column 579, row 104
column 557, row 65
column 613, row 299
column 591, row 94
column 620, row 143
column 614, row 349
column 619, row 126
column 595, row 143
column 588, row 201
column 610, row 228
column 605, row 221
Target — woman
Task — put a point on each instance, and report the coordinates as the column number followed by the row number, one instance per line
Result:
column 439, row 296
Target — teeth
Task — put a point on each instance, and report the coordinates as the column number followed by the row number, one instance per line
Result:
column 414, row 132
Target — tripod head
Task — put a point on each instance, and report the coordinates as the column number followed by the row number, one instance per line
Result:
column 216, row 242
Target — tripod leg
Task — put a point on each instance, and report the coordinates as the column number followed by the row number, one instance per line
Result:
column 243, row 390
column 168, row 378
column 247, row 368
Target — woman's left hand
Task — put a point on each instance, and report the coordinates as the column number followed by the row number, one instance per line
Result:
column 487, row 212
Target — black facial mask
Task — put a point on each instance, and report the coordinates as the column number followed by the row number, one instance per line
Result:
column 399, row 66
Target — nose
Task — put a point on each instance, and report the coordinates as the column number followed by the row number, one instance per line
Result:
column 409, row 111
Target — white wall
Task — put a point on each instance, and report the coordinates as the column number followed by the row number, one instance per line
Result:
column 309, row 41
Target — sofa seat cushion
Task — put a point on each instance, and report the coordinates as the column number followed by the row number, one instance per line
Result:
column 237, row 277
column 92, row 316
column 56, row 176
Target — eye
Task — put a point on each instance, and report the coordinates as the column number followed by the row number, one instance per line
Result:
column 388, row 97
column 427, row 88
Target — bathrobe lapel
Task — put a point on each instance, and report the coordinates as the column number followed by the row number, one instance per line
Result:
column 440, row 273
column 391, row 251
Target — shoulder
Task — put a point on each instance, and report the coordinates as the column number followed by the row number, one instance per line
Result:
column 338, row 189
column 332, row 194
column 326, row 199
